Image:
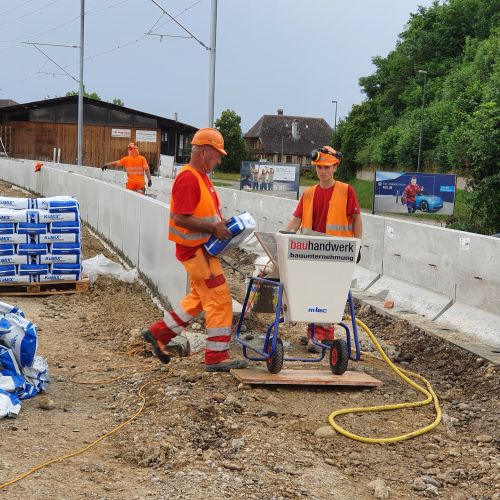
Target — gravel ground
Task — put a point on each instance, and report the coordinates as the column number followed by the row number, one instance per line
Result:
column 203, row 435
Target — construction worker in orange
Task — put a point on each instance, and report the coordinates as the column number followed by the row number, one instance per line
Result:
column 136, row 166
column 195, row 215
column 38, row 166
column 329, row 207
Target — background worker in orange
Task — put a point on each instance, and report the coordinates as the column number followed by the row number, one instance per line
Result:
column 330, row 207
column 136, row 166
column 38, row 166
column 195, row 214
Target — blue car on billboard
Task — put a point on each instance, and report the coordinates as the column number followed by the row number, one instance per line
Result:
column 427, row 202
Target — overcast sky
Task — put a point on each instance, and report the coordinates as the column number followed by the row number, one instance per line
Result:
column 290, row 54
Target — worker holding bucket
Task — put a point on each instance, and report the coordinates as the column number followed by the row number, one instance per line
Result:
column 195, row 215
column 329, row 207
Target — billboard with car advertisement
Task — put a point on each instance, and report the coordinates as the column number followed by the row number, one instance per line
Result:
column 410, row 192
column 263, row 176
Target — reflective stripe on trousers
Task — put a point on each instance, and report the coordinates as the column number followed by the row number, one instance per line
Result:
column 216, row 302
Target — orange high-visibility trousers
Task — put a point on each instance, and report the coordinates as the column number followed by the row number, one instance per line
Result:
column 210, row 293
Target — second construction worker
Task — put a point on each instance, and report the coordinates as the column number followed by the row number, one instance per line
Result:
column 195, row 215
column 329, row 207
column 136, row 166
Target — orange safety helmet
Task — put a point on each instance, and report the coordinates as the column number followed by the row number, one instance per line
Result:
column 211, row 137
column 326, row 156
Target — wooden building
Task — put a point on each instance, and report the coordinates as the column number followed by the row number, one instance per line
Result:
column 32, row 130
column 287, row 139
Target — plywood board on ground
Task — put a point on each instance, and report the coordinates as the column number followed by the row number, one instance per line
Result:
column 255, row 375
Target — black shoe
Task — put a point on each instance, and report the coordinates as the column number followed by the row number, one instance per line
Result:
column 304, row 340
column 225, row 366
column 156, row 347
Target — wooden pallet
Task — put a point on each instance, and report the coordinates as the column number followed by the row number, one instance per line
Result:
column 48, row 288
column 258, row 375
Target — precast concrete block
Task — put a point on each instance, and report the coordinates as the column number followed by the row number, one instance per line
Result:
column 372, row 244
column 92, row 202
column 131, row 225
column 172, row 277
column 363, row 278
column 115, row 215
column 154, row 215
column 413, row 253
column 476, row 270
column 410, row 297
column 109, row 201
column 482, row 325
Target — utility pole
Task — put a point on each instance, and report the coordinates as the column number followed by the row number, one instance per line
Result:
column 211, row 70
column 80, row 90
column 335, row 124
column 422, row 72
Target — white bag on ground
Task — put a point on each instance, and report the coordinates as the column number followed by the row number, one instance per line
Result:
column 10, row 406
column 102, row 265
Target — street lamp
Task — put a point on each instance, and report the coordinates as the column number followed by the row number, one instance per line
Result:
column 422, row 72
column 335, row 124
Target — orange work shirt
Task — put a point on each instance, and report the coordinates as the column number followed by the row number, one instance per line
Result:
column 135, row 167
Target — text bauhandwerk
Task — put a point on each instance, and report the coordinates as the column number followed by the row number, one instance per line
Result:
column 314, row 249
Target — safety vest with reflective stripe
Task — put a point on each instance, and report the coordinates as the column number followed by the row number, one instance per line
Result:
column 205, row 210
column 135, row 167
column 337, row 221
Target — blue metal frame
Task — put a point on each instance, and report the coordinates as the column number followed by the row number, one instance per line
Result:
column 272, row 331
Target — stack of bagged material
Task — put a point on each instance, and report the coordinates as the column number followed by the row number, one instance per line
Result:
column 23, row 374
column 40, row 239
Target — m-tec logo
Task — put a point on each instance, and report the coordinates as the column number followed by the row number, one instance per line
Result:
column 317, row 309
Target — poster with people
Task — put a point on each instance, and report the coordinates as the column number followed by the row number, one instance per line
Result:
column 263, row 176
column 410, row 192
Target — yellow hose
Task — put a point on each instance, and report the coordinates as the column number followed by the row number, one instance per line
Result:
column 429, row 393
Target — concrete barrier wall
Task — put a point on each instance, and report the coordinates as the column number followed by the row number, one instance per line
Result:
column 135, row 225
column 448, row 276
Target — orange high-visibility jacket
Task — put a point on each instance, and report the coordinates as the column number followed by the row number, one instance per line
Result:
column 337, row 221
column 205, row 210
column 135, row 167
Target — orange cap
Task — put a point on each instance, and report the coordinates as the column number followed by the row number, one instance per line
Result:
column 210, row 137
column 325, row 156
column 132, row 145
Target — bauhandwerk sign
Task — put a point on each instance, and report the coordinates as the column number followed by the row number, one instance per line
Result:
column 322, row 249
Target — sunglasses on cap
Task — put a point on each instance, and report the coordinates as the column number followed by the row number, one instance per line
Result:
column 316, row 153
column 132, row 146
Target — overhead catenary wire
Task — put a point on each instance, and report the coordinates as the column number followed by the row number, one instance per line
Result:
column 99, row 54
column 16, row 7
column 29, row 13
column 181, row 26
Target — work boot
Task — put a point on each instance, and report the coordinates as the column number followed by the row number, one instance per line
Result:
column 157, row 347
column 225, row 366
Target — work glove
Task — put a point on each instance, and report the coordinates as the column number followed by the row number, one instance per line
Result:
column 150, row 183
column 104, row 167
column 359, row 256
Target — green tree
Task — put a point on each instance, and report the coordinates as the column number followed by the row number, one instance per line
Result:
column 118, row 102
column 92, row 95
column 457, row 43
column 229, row 125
